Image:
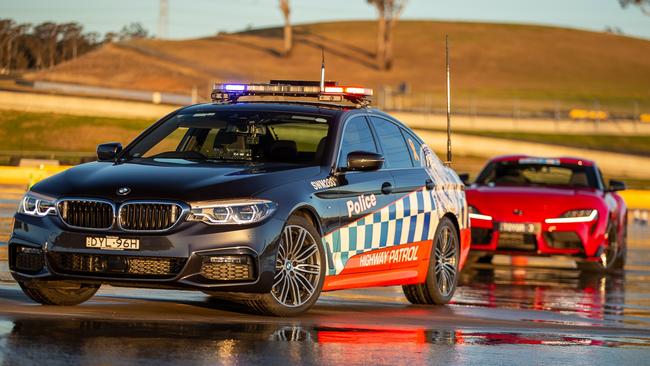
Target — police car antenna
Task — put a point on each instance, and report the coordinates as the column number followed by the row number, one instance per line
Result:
column 322, row 70
column 448, row 162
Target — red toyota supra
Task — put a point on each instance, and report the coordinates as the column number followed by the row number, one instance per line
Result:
column 523, row 205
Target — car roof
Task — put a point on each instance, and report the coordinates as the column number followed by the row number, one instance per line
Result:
column 266, row 107
column 566, row 160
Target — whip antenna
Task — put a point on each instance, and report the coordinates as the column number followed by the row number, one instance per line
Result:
column 448, row 162
column 322, row 70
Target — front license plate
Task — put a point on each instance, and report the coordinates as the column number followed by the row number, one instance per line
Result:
column 112, row 242
column 518, row 227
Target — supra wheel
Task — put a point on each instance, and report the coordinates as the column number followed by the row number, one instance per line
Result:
column 300, row 271
column 612, row 257
column 58, row 293
column 442, row 276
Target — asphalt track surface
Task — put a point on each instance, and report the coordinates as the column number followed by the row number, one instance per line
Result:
column 500, row 315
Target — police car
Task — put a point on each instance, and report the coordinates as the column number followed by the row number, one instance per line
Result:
column 268, row 196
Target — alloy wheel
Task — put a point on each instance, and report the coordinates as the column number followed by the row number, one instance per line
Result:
column 445, row 262
column 298, row 267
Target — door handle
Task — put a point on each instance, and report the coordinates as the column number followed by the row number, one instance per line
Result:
column 429, row 184
column 386, row 188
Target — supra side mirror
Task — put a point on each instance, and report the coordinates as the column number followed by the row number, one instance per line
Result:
column 464, row 177
column 616, row 185
column 108, row 151
column 364, row 161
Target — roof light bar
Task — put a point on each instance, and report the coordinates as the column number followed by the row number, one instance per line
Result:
column 293, row 91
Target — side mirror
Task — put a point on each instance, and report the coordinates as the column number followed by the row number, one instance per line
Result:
column 616, row 185
column 108, row 152
column 364, row 161
column 464, row 177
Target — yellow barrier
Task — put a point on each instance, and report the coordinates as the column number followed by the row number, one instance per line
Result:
column 27, row 176
column 645, row 117
column 635, row 198
column 579, row 114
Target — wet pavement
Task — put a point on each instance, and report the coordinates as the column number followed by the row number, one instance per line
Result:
column 501, row 315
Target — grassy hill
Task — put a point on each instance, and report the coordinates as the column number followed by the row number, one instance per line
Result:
column 492, row 63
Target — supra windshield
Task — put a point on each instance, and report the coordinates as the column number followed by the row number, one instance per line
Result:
column 237, row 136
column 513, row 173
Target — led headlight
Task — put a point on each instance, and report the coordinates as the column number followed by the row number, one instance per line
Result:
column 231, row 212
column 586, row 215
column 475, row 214
column 34, row 204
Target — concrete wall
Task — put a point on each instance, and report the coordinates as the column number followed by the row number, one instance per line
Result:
column 83, row 106
column 425, row 121
column 620, row 165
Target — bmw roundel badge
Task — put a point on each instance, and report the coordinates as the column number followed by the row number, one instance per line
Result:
column 124, row 191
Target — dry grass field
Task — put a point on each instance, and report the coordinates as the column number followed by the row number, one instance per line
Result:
column 492, row 63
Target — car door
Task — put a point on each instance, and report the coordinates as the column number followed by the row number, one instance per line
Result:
column 360, row 197
column 415, row 203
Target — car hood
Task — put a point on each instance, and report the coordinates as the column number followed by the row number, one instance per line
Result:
column 530, row 203
column 173, row 179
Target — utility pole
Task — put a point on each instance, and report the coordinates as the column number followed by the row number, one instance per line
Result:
column 163, row 19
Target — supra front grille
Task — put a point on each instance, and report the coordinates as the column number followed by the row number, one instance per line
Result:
column 230, row 268
column 75, row 263
column 563, row 240
column 87, row 213
column 517, row 241
column 481, row 236
column 149, row 216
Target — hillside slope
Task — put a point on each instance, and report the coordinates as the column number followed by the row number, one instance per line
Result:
column 489, row 61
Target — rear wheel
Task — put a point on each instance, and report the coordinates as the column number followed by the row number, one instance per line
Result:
column 442, row 276
column 300, row 271
column 58, row 293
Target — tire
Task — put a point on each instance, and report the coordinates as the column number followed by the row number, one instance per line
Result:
column 300, row 271
column 58, row 293
column 442, row 275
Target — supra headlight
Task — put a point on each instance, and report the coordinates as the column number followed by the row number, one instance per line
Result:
column 231, row 212
column 584, row 215
column 34, row 204
column 474, row 213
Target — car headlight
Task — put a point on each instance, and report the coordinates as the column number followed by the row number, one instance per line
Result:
column 585, row 215
column 34, row 204
column 231, row 212
column 475, row 214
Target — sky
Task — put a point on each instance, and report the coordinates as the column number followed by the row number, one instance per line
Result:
column 197, row 18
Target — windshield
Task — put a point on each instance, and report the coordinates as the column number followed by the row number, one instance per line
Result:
column 237, row 136
column 514, row 173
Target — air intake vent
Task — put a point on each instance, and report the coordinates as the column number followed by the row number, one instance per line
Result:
column 149, row 216
column 87, row 214
column 115, row 265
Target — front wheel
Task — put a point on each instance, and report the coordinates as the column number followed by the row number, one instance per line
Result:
column 299, row 271
column 58, row 293
column 442, row 275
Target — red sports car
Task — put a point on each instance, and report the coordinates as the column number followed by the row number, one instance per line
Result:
column 548, row 206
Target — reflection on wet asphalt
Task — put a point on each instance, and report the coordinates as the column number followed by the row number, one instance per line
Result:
column 501, row 315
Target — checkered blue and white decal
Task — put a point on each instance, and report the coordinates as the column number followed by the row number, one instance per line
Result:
column 412, row 218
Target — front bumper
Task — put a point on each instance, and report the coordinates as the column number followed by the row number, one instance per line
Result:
column 188, row 256
column 583, row 240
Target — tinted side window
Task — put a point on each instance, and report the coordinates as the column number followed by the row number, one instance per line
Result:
column 356, row 137
column 392, row 143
